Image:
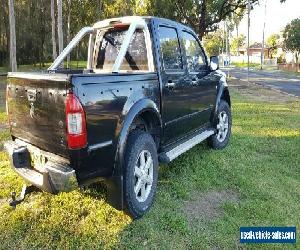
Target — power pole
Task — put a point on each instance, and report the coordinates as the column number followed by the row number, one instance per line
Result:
column 223, row 43
column 248, row 42
column 227, row 48
column 263, row 40
column 226, row 42
column 12, row 40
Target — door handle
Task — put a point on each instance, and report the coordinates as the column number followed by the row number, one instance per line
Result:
column 194, row 82
column 170, row 84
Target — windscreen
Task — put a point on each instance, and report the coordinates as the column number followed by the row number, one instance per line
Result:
column 136, row 55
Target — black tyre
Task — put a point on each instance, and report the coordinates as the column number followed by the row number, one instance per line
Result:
column 141, row 173
column 223, row 123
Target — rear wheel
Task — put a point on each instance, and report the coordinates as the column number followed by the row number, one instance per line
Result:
column 223, row 127
column 141, row 173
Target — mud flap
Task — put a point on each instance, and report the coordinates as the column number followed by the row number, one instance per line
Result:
column 115, row 192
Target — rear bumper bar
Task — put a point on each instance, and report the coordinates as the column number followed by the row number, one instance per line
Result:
column 54, row 176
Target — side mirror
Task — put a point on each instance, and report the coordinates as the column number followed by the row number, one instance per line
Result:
column 214, row 63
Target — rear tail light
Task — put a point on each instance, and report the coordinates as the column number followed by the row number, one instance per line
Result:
column 76, row 125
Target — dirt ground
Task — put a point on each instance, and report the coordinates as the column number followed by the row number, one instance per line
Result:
column 204, row 208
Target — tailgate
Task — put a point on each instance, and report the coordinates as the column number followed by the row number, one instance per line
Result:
column 36, row 107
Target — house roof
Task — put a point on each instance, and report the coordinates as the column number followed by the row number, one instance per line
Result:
column 257, row 45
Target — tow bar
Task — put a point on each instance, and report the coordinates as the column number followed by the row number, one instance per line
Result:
column 14, row 201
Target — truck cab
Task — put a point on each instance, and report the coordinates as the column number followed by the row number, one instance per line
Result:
column 148, row 94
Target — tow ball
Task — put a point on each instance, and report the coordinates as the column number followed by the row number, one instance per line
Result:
column 14, row 201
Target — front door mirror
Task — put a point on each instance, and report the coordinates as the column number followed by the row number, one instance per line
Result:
column 214, row 63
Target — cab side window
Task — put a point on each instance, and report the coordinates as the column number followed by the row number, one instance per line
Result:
column 170, row 48
column 194, row 54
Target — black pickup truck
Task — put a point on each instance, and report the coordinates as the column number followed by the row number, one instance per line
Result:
column 147, row 95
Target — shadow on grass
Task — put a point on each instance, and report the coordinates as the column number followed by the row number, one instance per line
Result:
column 253, row 166
column 263, row 171
column 79, row 219
column 261, row 165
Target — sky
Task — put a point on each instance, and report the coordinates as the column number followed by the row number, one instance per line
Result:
column 278, row 16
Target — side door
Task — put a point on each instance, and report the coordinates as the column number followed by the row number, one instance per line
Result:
column 202, row 84
column 175, row 107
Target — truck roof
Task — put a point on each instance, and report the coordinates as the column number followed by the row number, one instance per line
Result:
column 129, row 19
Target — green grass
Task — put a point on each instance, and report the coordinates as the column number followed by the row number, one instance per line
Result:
column 3, row 117
column 31, row 67
column 245, row 65
column 265, row 67
column 261, row 166
column 254, row 66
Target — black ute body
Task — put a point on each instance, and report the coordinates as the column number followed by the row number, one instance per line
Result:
column 112, row 102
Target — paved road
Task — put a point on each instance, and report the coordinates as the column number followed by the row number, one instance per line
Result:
column 286, row 82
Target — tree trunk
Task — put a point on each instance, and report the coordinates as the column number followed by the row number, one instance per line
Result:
column 237, row 38
column 43, row 32
column 100, row 9
column 202, row 22
column 12, row 28
column 54, row 51
column 68, row 29
column 6, row 23
column 297, row 60
column 60, row 26
column 1, row 45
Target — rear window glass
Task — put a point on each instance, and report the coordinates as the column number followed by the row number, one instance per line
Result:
column 135, row 58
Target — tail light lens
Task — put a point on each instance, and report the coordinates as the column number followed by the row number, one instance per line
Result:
column 76, row 124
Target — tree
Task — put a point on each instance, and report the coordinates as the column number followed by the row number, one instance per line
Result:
column 42, row 29
column 273, row 43
column 69, row 28
column 236, row 20
column 12, row 28
column 119, row 8
column 238, row 42
column 213, row 42
column 291, row 35
column 54, row 52
column 202, row 15
column 60, row 26
column 141, row 7
column 4, row 33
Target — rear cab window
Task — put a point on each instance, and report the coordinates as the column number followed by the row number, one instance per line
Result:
column 110, row 45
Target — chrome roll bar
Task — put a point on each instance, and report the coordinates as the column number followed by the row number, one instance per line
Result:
column 135, row 22
column 59, row 60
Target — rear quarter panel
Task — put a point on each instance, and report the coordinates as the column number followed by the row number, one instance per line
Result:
column 107, row 99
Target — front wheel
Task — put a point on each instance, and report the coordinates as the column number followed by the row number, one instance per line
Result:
column 141, row 173
column 223, row 127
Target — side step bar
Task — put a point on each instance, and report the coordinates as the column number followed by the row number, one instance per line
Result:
column 185, row 146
